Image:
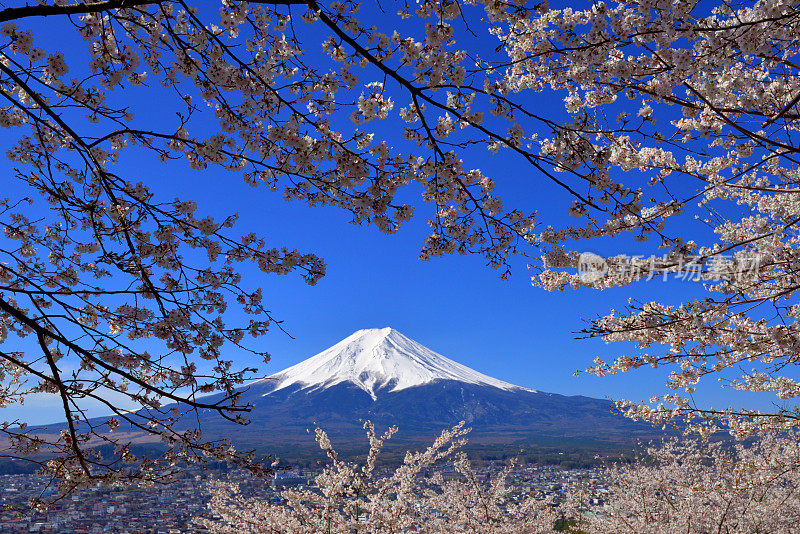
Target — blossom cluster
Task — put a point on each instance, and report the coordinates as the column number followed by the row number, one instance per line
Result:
column 689, row 111
column 414, row 497
column 676, row 485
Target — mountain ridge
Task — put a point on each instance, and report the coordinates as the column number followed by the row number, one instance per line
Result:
column 354, row 380
column 351, row 382
column 378, row 359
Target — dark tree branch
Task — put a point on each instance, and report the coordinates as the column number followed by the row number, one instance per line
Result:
column 39, row 329
column 14, row 13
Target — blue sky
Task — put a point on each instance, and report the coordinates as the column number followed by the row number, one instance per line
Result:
column 454, row 305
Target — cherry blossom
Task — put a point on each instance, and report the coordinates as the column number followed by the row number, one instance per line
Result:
column 680, row 132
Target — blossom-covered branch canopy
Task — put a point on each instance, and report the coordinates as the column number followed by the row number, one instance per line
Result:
column 111, row 289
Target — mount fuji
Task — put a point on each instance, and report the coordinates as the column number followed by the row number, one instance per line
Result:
column 377, row 360
column 381, row 375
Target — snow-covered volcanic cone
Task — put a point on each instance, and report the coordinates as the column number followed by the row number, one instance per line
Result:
column 376, row 359
column 378, row 374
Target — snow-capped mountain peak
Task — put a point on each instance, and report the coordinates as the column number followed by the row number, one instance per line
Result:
column 375, row 358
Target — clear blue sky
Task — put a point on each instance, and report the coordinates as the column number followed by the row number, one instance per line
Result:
column 455, row 305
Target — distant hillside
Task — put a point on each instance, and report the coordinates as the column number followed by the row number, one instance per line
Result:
column 383, row 376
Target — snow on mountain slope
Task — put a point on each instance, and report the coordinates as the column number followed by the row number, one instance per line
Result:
column 378, row 357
